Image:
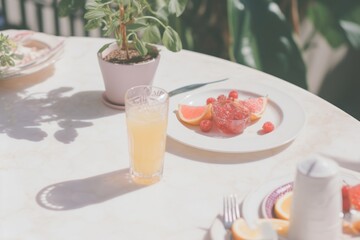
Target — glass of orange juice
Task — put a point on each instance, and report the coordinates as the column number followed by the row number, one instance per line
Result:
column 146, row 110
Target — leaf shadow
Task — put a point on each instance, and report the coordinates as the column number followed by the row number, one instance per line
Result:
column 24, row 114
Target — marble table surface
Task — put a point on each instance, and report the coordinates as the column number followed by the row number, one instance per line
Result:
column 64, row 157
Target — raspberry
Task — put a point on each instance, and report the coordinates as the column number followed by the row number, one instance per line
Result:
column 222, row 98
column 230, row 99
column 268, row 127
column 210, row 100
column 206, row 125
column 233, row 94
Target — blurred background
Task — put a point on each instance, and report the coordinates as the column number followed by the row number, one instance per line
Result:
column 314, row 44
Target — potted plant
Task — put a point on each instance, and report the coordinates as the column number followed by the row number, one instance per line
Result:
column 7, row 53
column 131, row 60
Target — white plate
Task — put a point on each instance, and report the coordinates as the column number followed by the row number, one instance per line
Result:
column 39, row 50
column 282, row 110
column 251, row 208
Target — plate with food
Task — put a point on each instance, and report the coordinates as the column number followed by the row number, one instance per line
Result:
column 273, row 200
column 31, row 51
column 227, row 118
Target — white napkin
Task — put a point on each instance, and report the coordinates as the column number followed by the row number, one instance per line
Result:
column 217, row 230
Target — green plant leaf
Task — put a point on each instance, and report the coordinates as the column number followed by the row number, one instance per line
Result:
column 65, row 7
column 94, row 14
column 10, row 62
column 136, row 26
column 352, row 31
column 177, row 6
column 3, row 61
column 163, row 14
column 7, row 55
column 137, row 17
column 243, row 47
column 152, row 34
column 92, row 24
column 124, row 2
column 171, row 40
column 261, row 34
column 140, row 46
column 326, row 23
column 350, row 23
column 105, row 46
column 136, row 7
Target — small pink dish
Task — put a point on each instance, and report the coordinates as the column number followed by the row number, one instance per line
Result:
column 267, row 206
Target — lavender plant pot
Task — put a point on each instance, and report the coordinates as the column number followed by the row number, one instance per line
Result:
column 118, row 78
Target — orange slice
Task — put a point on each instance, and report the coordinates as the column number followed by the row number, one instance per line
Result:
column 282, row 206
column 194, row 114
column 256, row 106
column 279, row 225
column 350, row 228
column 241, row 231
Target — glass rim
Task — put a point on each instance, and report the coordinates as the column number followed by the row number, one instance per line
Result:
column 150, row 87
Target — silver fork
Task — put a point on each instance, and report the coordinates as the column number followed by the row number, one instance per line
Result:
column 231, row 210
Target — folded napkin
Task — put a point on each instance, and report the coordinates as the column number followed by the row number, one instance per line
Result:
column 217, row 230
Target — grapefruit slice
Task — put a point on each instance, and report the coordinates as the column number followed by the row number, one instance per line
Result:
column 256, row 106
column 194, row 114
column 241, row 231
column 282, row 206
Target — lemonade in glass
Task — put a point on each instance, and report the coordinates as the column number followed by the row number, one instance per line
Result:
column 146, row 118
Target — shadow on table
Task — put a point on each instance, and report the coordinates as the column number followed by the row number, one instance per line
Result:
column 217, row 230
column 84, row 192
column 188, row 152
column 22, row 115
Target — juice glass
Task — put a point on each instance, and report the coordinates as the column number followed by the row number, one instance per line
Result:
column 146, row 119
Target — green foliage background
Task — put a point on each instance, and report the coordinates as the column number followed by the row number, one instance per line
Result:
column 258, row 33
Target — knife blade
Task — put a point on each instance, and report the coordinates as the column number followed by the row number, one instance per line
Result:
column 192, row 87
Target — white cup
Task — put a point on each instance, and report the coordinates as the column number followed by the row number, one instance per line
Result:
column 316, row 201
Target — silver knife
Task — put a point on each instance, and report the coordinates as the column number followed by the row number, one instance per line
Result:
column 192, row 87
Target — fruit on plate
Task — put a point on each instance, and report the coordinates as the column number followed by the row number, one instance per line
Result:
column 241, row 231
column 282, row 206
column 206, row 125
column 345, row 198
column 230, row 117
column 351, row 228
column 227, row 112
column 194, row 114
column 256, row 106
column 268, row 127
column 354, row 196
column 350, row 196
